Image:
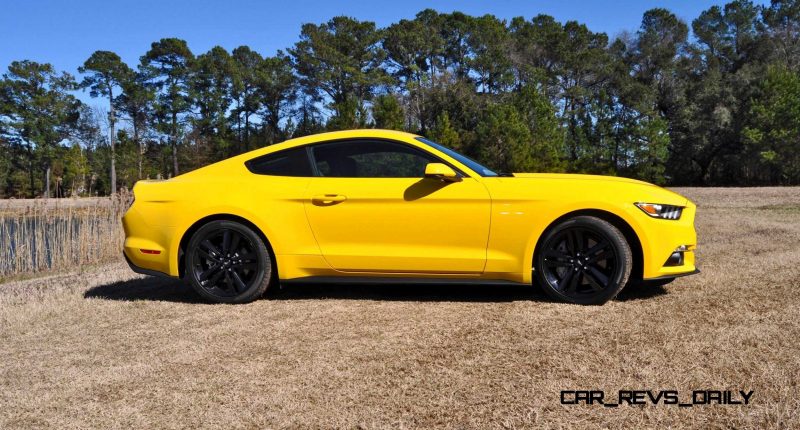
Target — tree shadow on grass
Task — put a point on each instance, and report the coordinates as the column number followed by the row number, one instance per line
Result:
column 172, row 290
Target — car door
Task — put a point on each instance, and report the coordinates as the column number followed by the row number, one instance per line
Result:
column 371, row 210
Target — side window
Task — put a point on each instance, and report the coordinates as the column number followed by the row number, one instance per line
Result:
column 291, row 162
column 366, row 158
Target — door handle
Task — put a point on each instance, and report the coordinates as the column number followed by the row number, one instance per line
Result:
column 328, row 198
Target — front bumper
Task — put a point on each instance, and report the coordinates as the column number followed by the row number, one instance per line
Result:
column 661, row 238
column 678, row 275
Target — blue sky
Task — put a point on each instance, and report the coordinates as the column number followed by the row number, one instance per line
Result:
column 66, row 32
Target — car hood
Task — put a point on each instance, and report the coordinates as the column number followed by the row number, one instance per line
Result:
column 575, row 176
column 656, row 193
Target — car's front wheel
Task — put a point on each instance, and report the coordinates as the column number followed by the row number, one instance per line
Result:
column 227, row 262
column 583, row 260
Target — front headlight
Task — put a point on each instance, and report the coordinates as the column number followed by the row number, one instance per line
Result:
column 656, row 210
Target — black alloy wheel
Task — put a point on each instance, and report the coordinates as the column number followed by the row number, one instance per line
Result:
column 226, row 262
column 583, row 260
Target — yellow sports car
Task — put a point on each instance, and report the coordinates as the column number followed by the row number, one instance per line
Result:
column 393, row 206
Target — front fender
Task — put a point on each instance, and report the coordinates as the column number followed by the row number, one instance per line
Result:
column 564, row 211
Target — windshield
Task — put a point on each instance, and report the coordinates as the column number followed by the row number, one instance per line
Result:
column 463, row 159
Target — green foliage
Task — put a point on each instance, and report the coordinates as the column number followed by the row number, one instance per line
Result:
column 490, row 43
column 388, row 113
column 135, row 105
column 718, row 107
column 444, row 133
column 547, row 138
column 37, row 114
column 650, row 150
column 167, row 66
column 277, row 91
column 347, row 114
column 105, row 72
column 75, row 168
column 772, row 135
column 211, row 89
column 506, row 140
column 245, row 90
column 341, row 60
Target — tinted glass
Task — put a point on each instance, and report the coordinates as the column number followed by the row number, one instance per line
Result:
column 370, row 159
column 291, row 162
column 463, row 159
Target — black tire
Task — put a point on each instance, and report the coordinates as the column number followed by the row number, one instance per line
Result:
column 227, row 262
column 583, row 260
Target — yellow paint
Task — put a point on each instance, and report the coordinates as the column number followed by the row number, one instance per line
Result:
column 478, row 227
column 441, row 171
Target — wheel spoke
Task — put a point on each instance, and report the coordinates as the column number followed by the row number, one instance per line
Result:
column 572, row 287
column 578, row 235
column 208, row 272
column 235, row 239
column 558, row 263
column 248, row 257
column 562, row 284
column 250, row 266
column 570, row 241
column 207, row 255
column 556, row 258
column 238, row 283
column 599, row 276
column 593, row 282
column 215, row 278
column 603, row 255
column 597, row 247
column 209, row 247
column 553, row 253
column 226, row 241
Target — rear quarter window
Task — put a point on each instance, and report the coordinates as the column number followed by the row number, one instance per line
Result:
column 290, row 162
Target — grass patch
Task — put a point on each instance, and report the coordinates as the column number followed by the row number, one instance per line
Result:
column 783, row 208
column 107, row 348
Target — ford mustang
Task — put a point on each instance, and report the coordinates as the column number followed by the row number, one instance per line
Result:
column 391, row 206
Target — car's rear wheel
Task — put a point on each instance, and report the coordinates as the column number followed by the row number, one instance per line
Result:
column 227, row 262
column 583, row 260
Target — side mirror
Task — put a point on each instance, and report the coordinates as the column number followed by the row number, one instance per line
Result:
column 441, row 172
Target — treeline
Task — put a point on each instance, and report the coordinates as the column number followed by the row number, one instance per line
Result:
column 719, row 105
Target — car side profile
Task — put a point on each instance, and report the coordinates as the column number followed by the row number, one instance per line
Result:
column 393, row 206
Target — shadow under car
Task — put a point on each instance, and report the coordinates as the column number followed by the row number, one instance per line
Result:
column 151, row 288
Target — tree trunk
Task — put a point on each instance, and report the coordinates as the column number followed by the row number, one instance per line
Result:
column 139, row 146
column 47, row 181
column 30, row 171
column 246, row 131
column 239, row 125
column 174, row 144
column 111, row 120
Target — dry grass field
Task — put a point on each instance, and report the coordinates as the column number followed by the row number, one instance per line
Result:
column 109, row 349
